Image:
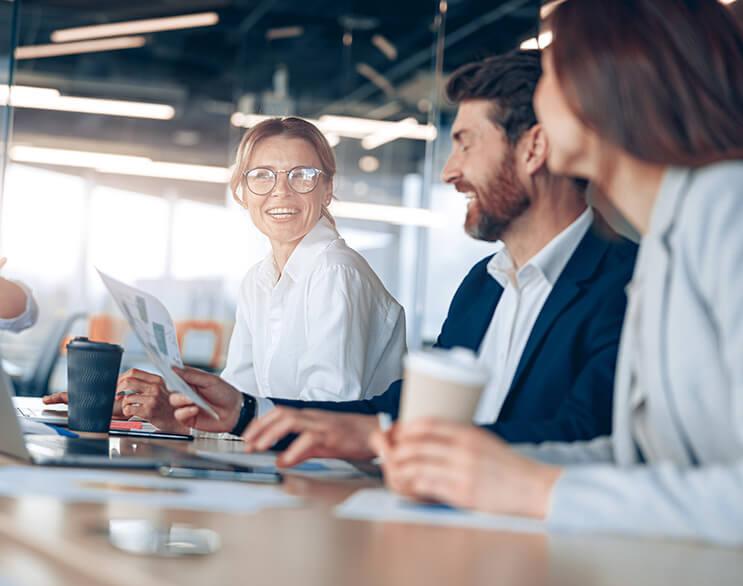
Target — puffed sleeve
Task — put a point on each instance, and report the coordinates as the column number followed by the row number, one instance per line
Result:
column 343, row 332
column 27, row 318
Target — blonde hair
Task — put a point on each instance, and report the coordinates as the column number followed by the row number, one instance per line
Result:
column 289, row 127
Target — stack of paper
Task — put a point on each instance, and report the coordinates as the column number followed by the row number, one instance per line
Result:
column 315, row 467
column 379, row 504
column 105, row 486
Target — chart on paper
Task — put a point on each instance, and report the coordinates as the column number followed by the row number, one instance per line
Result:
column 153, row 326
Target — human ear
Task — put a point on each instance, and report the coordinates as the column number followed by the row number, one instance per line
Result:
column 536, row 149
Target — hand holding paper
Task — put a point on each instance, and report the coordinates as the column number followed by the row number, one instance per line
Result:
column 225, row 399
column 153, row 326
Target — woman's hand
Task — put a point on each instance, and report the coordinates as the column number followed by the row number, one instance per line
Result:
column 141, row 394
column 225, row 399
column 464, row 466
column 62, row 398
column 144, row 395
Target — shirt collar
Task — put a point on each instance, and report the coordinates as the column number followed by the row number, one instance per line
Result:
column 302, row 258
column 549, row 261
column 665, row 208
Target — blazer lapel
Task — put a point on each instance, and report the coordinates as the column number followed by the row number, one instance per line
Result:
column 581, row 266
column 467, row 324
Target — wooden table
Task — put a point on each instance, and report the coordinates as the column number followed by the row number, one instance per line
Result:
column 49, row 543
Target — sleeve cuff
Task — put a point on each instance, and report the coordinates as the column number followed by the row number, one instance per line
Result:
column 27, row 318
column 263, row 406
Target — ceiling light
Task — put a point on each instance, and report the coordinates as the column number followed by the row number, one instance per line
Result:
column 352, row 127
column 385, row 46
column 333, row 139
column 369, row 164
column 22, row 93
column 540, row 42
column 51, row 99
column 146, row 167
column 286, row 32
column 131, row 27
column 727, row 1
column 249, row 120
column 119, row 164
column 399, row 215
column 383, row 136
column 54, row 50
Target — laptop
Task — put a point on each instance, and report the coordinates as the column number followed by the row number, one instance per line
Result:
column 113, row 452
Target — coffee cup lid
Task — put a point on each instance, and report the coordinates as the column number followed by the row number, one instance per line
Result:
column 83, row 343
column 458, row 365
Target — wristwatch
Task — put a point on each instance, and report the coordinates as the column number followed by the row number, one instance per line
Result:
column 247, row 412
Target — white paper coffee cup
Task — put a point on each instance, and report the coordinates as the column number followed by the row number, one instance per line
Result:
column 445, row 384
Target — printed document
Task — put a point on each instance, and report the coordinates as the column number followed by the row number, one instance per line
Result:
column 153, row 326
column 379, row 504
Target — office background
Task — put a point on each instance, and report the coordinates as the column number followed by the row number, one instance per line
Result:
column 117, row 148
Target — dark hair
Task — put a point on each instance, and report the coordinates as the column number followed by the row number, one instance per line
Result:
column 508, row 81
column 660, row 79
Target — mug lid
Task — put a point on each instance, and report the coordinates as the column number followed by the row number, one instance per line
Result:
column 459, row 365
column 83, row 343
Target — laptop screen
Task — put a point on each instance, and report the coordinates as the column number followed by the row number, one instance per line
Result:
column 11, row 436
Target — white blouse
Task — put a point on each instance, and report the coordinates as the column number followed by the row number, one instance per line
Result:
column 326, row 329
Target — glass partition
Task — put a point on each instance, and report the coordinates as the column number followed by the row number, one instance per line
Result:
column 127, row 115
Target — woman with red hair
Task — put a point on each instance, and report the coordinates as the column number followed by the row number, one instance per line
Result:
column 645, row 99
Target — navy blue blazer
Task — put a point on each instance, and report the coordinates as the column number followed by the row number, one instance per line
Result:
column 563, row 386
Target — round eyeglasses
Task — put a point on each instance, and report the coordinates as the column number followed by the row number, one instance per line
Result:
column 262, row 180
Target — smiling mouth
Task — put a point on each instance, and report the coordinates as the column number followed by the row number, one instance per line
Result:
column 282, row 213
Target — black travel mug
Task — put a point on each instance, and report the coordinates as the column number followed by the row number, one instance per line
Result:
column 92, row 373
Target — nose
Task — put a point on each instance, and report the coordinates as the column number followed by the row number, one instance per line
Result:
column 282, row 185
column 451, row 171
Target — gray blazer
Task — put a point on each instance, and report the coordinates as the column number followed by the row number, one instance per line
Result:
column 674, row 464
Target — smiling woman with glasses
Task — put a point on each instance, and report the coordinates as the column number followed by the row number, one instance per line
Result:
column 313, row 320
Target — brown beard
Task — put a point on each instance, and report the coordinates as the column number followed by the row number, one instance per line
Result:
column 502, row 201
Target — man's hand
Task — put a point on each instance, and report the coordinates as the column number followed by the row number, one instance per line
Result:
column 464, row 466
column 225, row 399
column 322, row 434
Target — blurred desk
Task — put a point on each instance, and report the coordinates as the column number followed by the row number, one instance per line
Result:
column 308, row 546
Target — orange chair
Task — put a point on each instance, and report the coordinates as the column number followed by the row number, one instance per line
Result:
column 102, row 327
column 182, row 328
column 106, row 328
